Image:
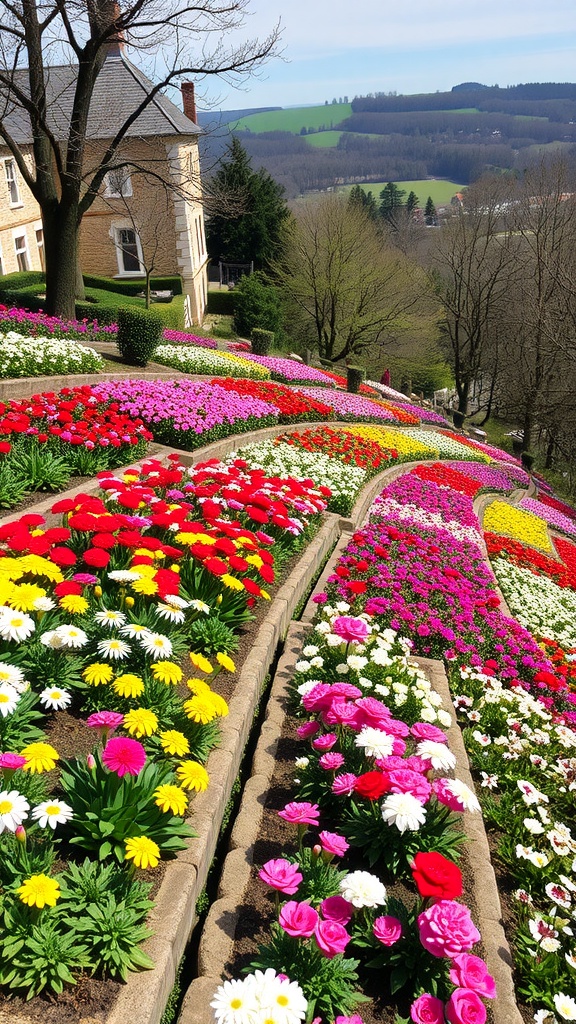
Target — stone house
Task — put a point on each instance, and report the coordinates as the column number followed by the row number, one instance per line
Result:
column 148, row 213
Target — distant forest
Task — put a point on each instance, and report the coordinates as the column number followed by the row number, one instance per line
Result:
column 458, row 135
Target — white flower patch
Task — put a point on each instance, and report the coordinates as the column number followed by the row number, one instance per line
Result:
column 539, row 604
column 286, row 460
column 22, row 356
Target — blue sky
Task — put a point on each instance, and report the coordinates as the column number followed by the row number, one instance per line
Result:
column 332, row 48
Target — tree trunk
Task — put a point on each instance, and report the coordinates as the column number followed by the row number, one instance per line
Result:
column 61, row 247
column 463, row 392
column 527, row 428
column 80, row 289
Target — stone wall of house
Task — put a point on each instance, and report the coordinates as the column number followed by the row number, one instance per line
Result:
column 19, row 220
column 148, row 210
column 191, row 252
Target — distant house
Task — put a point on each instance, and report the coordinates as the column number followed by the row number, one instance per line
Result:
column 136, row 220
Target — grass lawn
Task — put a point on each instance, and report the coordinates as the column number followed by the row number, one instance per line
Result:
column 294, row 119
column 440, row 190
column 324, row 140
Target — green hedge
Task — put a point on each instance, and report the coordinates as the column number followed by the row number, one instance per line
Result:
column 139, row 334
column 133, row 286
column 221, row 302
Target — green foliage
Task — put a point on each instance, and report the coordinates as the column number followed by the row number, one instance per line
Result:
column 262, row 341
column 104, row 312
column 43, row 470
column 319, row 879
column 92, row 882
column 209, row 635
column 328, row 984
column 18, row 729
column 13, row 487
column 355, row 375
column 221, row 303
column 133, row 286
column 257, row 306
column 364, row 827
column 112, row 932
column 139, row 334
column 38, row 953
column 253, row 235
column 108, row 809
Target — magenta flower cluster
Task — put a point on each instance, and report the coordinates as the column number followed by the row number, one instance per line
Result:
column 409, row 489
column 493, row 478
column 188, row 413
column 184, row 338
column 290, row 369
column 40, row 323
column 557, row 520
column 350, row 407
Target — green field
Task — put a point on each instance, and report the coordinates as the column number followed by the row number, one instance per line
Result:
column 440, row 190
column 294, row 119
column 324, row 140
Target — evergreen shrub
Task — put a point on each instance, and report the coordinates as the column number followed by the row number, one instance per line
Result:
column 139, row 334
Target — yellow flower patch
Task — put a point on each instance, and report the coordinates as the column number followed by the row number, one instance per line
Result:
column 394, row 439
column 523, row 526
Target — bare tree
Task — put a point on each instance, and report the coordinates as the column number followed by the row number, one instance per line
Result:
column 475, row 261
column 54, row 110
column 346, row 286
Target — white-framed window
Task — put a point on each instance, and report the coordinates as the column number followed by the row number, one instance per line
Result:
column 12, row 181
column 118, row 183
column 39, row 232
column 21, row 249
column 128, row 250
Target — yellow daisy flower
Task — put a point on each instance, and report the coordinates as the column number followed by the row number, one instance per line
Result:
column 198, row 686
column 174, row 743
column 144, row 586
column 231, row 582
column 75, row 604
column 226, row 662
column 128, row 685
column 39, row 891
column 98, row 674
column 220, row 705
column 167, row 672
column 140, row 722
column 193, row 776
column 40, row 757
column 143, row 852
column 38, row 566
column 23, row 597
column 200, row 709
column 200, row 662
column 171, row 798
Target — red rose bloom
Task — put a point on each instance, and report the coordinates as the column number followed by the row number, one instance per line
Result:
column 372, row 785
column 436, row 877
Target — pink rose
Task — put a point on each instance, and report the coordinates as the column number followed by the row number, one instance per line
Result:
column 320, row 696
column 465, row 1007
column 447, row 929
column 300, row 813
column 427, row 1009
column 280, row 874
column 470, row 971
column 298, row 919
column 343, row 712
column 333, row 843
column 387, row 930
column 351, row 629
column 336, row 908
column 331, row 937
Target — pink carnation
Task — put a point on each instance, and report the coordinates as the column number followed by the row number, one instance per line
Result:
column 282, row 875
column 343, row 784
column 11, row 762
column 336, row 908
column 425, row 731
column 333, row 843
column 331, row 761
column 325, row 742
column 447, row 929
column 465, row 1007
column 351, row 629
column 298, row 919
column 124, row 756
column 427, row 1009
column 470, row 971
column 331, row 937
column 300, row 813
column 304, row 732
column 105, row 720
column 387, row 930
column 405, row 781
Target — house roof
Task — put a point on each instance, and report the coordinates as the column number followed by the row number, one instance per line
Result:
column 119, row 89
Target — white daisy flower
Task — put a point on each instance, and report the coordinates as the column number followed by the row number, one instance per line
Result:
column 52, row 813
column 44, row 604
column 565, row 1006
column 51, row 639
column 11, row 674
column 114, row 649
column 170, row 612
column 13, row 809
column 9, row 698
column 133, row 629
column 235, row 1002
column 404, row 811
column 200, row 606
column 110, row 618
column 16, row 626
column 156, row 644
column 437, row 753
column 375, row 742
column 55, row 697
column 71, row 636
column 362, row 889
column 279, row 999
column 179, row 602
column 463, row 794
column 124, row 575
column 534, row 826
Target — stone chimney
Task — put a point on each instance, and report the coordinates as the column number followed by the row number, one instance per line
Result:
column 188, row 100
